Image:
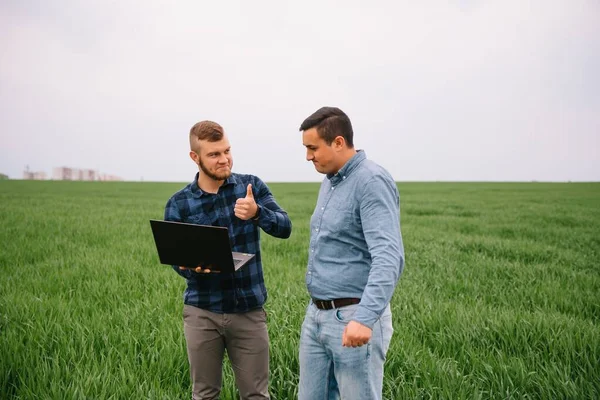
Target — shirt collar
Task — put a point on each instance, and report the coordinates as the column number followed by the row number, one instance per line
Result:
column 197, row 192
column 347, row 169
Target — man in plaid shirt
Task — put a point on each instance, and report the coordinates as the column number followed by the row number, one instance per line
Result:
column 224, row 311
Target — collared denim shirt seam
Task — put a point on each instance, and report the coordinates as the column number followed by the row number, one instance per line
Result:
column 333, row 181
column 314, row 236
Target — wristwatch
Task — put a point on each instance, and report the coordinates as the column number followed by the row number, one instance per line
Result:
column 258, row 208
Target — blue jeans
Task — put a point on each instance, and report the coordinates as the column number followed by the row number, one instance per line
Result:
column 329, row 371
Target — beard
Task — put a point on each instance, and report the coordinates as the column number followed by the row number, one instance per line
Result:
column 217, row 176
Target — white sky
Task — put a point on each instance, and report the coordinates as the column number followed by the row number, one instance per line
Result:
column 436, row 90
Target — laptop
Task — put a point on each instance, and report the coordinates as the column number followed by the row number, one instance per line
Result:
column 191, row 245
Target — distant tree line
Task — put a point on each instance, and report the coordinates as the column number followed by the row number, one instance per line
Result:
column 2, row 176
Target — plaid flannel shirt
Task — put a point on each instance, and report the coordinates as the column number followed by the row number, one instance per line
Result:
column 245, row 289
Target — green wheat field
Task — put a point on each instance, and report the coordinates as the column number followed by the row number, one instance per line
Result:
column 500, row 297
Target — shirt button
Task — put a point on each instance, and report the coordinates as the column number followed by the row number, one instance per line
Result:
column 332, row 188
column 322, row 208
column 316, row 229
column 343, row 177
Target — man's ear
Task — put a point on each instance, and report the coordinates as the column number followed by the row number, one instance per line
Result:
column 194, row 157
column 339, row 142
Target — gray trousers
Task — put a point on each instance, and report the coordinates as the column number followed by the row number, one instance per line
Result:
column 246, row 340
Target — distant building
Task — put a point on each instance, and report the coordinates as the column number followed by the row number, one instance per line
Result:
column 89, row 175
column 34, row 176
column 62, row 174
column 76, row 174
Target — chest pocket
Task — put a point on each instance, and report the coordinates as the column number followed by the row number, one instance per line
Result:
column 339, row 219
column 199, row 219
column 340, row 216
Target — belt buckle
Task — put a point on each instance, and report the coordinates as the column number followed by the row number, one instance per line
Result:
column 332, row 304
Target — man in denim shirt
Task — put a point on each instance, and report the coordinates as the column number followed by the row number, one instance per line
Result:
column 225, row 311
column 355, row 259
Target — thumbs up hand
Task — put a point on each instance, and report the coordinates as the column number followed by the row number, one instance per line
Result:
column 249, row 193
column 246, row 208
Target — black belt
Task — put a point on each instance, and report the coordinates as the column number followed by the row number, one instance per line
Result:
column 335, row 303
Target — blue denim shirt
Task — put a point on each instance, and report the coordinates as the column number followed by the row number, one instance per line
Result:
column 356, row 246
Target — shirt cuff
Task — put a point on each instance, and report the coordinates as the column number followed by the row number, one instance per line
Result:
column 365, row 317
column 259, row 212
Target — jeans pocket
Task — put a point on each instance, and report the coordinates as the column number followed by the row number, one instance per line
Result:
column 344, row 314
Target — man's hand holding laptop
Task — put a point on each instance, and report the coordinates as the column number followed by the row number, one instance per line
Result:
column 200, row 269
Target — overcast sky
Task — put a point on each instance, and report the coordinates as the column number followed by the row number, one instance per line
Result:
column 436, row 90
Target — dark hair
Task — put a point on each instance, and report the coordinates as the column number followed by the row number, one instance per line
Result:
column 205, row 130
column 330, row 123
